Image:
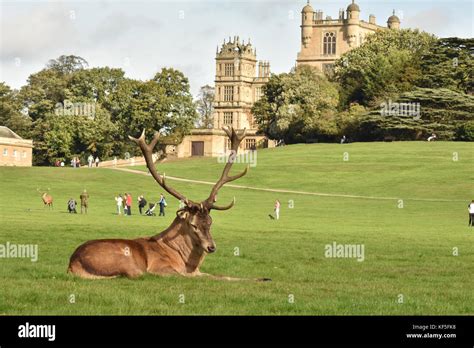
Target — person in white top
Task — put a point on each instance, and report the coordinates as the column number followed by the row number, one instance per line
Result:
column 119, row 201
column 276, row 210
column 432, row 137
column 90, row 159
column 97, row 161
column 470, row 208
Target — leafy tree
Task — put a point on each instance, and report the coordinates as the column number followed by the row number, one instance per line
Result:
column 449, row 63
column 386, row 64
column 204, row 106
column 67, row 64
column 446, row 113
column 10, row 112
column 298, row 106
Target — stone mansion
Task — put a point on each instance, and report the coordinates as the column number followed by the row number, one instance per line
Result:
column 239, row 76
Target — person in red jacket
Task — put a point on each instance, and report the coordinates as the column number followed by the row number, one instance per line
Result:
column 128, row 202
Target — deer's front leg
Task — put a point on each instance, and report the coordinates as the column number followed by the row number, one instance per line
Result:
column 198, row 273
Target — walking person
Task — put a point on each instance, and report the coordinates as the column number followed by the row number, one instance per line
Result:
column 71, row 206
column 276, row 209
column 470, row 208
column 84, row 201
column 141, row 203
column 162, row 204
column 97, row 161
column 90, row 159
column 128, row 203
column 119, row 202
column 124, row 202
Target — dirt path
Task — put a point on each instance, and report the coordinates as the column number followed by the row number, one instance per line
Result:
column 134, row 171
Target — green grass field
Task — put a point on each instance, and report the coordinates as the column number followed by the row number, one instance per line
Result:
column 408, row 251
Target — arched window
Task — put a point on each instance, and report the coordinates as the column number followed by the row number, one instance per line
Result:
column 329, row 43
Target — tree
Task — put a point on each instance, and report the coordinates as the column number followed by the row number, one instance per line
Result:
column 449, row 63
column 67, row 64
column 446, row 113
column 297, row 107
column 388, row 63
column 10, row 112
column 204, row 106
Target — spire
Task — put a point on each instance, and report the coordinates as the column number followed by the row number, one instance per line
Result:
column 394, row 12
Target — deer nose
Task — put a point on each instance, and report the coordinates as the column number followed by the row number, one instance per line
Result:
column 211, row 248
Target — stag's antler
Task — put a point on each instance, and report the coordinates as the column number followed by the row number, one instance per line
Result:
column 147, row 150
column 235, row 139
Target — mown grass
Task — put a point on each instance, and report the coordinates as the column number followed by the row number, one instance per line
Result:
column 408, row 251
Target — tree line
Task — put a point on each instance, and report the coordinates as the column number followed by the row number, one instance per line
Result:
column 392, row 67
column 71, row 110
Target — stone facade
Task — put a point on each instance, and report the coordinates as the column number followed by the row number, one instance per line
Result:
column 323, row 41
column 14, row 150
column 239, row 77
column 238, row 85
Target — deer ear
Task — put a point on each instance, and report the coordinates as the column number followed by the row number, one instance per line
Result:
column 182, row 214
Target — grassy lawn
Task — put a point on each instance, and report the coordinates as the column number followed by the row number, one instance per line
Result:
column 408, row 251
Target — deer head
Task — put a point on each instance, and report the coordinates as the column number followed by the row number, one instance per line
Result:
column 195, row 217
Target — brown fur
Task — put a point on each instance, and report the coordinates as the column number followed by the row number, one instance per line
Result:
column 47, row 200
column 180, row 249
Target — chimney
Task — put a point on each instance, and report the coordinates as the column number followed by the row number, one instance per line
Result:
column 372, row 19
column 341, row 14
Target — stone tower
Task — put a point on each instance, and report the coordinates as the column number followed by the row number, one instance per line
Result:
column 324, row 40
column 238, row 84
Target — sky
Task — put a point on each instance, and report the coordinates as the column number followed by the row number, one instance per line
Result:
column 143, row 36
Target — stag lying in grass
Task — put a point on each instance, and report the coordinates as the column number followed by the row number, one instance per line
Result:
column 47, row 199
column 180, row 249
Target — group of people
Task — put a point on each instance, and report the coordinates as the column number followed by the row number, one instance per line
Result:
column 76, row 162
column 125, row 202
column 91, row 160
column 72, row 204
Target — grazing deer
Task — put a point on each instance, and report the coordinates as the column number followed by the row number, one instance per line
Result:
column 180, row 249
column 47, row 199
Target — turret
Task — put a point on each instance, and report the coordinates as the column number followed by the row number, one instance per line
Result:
column 393, row 21
column 306, row 24
column 353, row 12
